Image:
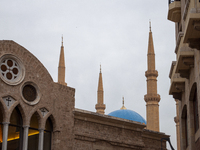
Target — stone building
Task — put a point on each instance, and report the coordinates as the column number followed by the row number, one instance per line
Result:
column 37, row 113
column 185, row 72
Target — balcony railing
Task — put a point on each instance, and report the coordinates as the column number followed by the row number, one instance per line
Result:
column 171, row 1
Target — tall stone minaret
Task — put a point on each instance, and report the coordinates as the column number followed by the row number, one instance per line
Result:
column 100, row 106
column 61, row 67
column 152, row 98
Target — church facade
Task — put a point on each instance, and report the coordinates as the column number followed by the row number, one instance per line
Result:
column 37, row 113
column 184, row 73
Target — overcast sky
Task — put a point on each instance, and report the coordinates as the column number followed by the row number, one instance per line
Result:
column 113, row 33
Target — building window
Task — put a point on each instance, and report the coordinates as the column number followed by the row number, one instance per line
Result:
column 47, row 134
column 33, row 133
column 11, row 69
column 15, row 131
column 186, row 129
column 196, row 114
column 185, row 126
column 194, row 107
column 30, row 93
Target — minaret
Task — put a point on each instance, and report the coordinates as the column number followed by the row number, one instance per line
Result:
column 61, row 67
column 100, row 106
column 152, row 98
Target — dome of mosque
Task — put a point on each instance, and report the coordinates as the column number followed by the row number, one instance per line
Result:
column 127, row 114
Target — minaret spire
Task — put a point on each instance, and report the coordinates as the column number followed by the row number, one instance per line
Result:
column 123, row 107
column 150, row 25
column 61, row 67
column 152, row 98
column 100, row 106
column 62, row 40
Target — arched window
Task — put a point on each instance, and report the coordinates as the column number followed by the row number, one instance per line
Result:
column 195, row 109
column 185, row 126
column 33, row 133
column 47, row 134
column 1, row 128
column 15, row 131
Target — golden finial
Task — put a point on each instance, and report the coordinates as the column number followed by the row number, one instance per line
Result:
column 62, row 40
column 150, row 25
column 123, row 107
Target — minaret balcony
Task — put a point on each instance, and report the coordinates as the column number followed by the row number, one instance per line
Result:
column 100, row 106
column 192, row 30
column 152, row 97
column 174, row 12
column 185, row 62
column 149, row 73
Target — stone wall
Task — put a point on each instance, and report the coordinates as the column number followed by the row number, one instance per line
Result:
column 94, row 131
column 58, row 100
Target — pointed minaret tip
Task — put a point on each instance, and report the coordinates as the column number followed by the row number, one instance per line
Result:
column 61, row 66
column 123, row 107
column 62, row 40
column 100, row 106
column 149, row 25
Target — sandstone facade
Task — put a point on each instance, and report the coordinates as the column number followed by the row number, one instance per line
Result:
column 184, row 73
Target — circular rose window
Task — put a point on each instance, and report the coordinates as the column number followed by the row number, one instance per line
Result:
column 30, row 93
column 11, row 69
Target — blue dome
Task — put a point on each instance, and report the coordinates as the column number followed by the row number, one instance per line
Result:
column 128, row 114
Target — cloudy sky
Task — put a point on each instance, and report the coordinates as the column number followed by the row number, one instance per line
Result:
column 113, row 33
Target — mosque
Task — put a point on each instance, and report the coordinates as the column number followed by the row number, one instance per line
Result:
column 37, row 113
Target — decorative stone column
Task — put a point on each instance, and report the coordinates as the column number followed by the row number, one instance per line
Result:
column 176, row 120
column 41, row 139
column 25, row 138
column 5, row 135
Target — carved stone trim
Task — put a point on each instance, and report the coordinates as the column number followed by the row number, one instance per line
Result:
column 9, row 101
column 44, row 111
column 152, row 97
column 151, row 73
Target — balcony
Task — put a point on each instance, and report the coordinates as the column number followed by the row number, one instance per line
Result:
column 185, row 61
column 174, row 12
column 177, row 86
column 192, row 30
column 177, row 83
